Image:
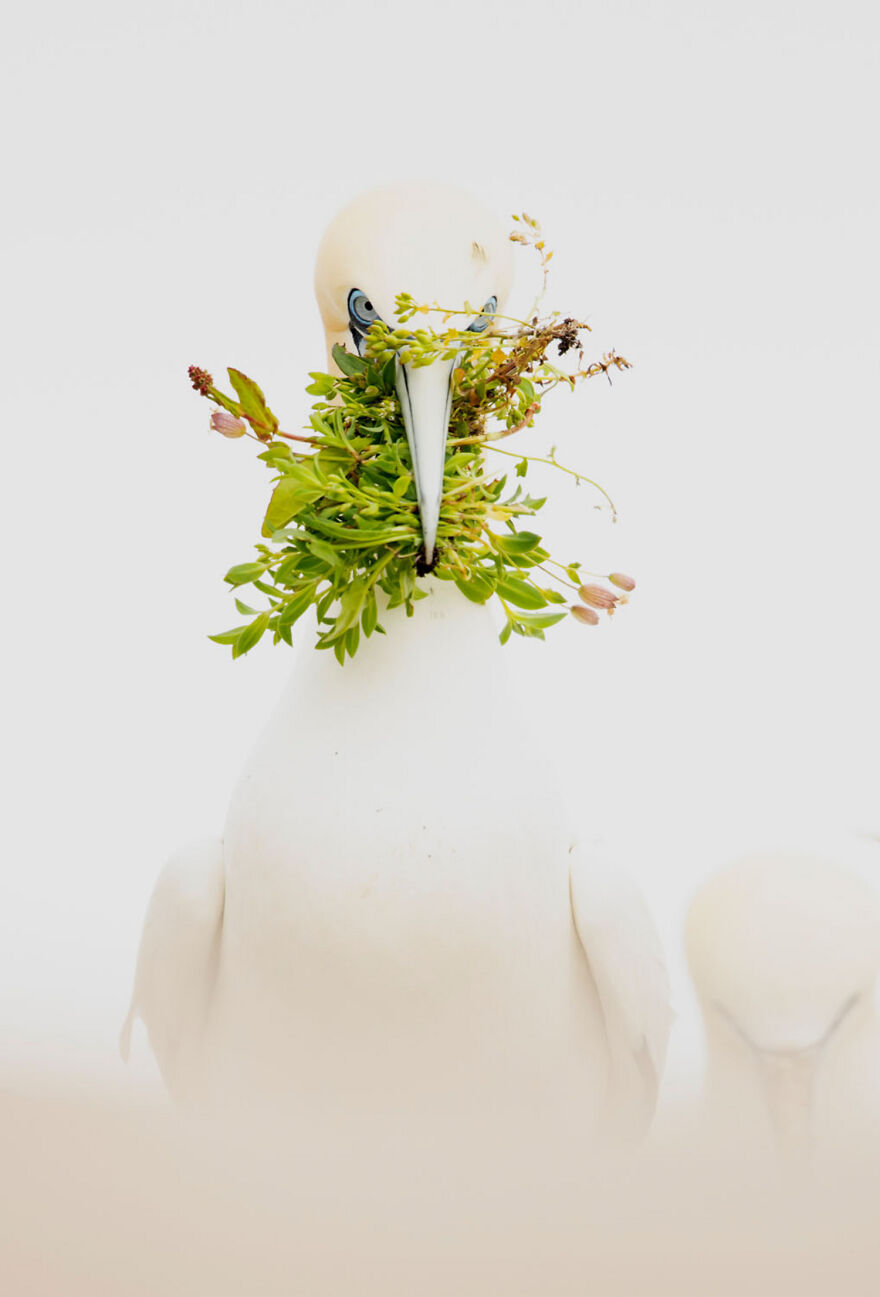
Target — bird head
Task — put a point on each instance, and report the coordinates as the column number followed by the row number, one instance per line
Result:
column 438, row 245
column 782, row 944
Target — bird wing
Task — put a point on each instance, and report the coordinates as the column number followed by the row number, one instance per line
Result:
column 177, row 963
column 626, row 960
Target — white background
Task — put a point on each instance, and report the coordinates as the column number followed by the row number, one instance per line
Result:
column 708, row 177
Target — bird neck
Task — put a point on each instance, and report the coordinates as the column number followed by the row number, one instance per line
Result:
column 447, row 647
column 445, row 628
column 434, row 705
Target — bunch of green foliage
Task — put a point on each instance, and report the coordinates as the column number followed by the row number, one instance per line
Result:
column 343, row 523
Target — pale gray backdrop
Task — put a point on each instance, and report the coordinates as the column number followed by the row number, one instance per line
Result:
column 707, row 174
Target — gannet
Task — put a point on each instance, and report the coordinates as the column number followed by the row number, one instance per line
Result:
column 401, row 914
column 784, row 950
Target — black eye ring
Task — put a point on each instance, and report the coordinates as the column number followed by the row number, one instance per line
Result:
column 360, row 309
column 361, row 314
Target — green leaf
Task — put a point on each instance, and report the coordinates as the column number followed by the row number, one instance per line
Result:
column 228, row 636
column 514, row 542
column 520, row 592
column 350, row 605
column 294, row 608
column 527, row 560
column 288, row 535
column 323, row 604
column 349, row 364
column 253, row 405
column 540, row 621
column 341, row 524
column 291, row 495
column 457, row 462
column 322, row 385
column 322, row 550
column 288, row 572
column 527, row 631
column 407, row 582
column 389, row 377
column 250, row 636
column 277, row 454
column 226, row 402
column 311, row 568
column 244, row 573
column 478, row 588
column 370, row 614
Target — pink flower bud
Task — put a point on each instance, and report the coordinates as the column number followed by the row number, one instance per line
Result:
column 621, row 581
column 586, row 615
column 228, row 424
column 598, row 597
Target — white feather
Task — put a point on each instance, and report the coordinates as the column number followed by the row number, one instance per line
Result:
column 626, row 959
column 177, row 963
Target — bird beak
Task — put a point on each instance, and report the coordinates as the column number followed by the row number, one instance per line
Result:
column 425, row 393
column 788, row 1085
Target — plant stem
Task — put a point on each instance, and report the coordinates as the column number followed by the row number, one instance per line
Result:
column 579, row 477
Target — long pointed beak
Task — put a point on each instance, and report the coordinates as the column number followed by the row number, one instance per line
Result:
column 425, row 393
column 788, row 1083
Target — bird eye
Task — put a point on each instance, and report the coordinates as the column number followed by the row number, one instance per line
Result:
column 361, row 309
column 484, row 319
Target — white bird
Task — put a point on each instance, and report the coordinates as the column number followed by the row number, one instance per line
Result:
column 784, row 950
column 400, row 916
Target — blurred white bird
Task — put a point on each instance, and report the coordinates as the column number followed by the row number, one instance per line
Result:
column 399, row 917
column 784, row 951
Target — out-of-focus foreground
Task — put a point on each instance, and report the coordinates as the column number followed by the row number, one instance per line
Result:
column 101, row 1197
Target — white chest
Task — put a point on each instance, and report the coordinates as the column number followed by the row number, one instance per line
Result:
column 397, row 860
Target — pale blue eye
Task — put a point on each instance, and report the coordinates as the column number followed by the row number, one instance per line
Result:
column 361, row 309
column 484, row 319
column 361, row 314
